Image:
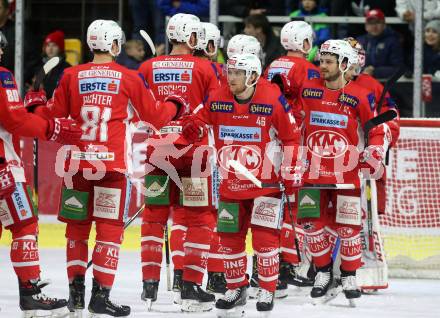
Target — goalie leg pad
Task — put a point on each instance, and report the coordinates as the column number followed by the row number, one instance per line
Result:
column 24, row 252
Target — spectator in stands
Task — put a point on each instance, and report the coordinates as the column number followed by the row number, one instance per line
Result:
column 133, row 54
column 382, row 47
column 258, row 26
column 244, row 8
column 31, row 48
column 199, row 8
column 406, row 10
column 358, row 8
column 322, row 31
column 53, row 45
column 431, row 50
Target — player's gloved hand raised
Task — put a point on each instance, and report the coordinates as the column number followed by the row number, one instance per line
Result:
column 370, row 160
column 64, row 131
column 283, row 83
column 34, row 99
column 193, row 129
column 181, row 104
column 7, row 181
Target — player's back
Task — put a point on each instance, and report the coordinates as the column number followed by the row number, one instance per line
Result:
column 185, row 75
column 98, row 97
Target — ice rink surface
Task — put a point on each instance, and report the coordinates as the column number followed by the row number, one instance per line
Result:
column 404, row 298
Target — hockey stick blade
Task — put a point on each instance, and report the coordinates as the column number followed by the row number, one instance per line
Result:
column 248, row 175
column 379, row 120
column 47, row 67
column 147, row 39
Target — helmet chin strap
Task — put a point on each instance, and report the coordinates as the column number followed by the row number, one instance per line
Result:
column 248, row 77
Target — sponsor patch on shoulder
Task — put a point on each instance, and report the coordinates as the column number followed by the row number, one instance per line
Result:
column 284, row 102
column 221, row 107
column 260, row 109
column 348, row 100
column 311, row 74
column 7, row 80
column 312, row 93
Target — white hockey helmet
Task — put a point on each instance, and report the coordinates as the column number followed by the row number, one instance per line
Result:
column 211, row 33
column 358, row 49
column 293, row 35
column 342, row 49
column 3, row 41
column 102, row 33
column 247, row 62
column 242, row 43
column 181, row 26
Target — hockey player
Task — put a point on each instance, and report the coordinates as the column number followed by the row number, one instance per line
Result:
column 335, row 111
column 251, row 120
column 297, row 39
column 17, row 214
column 193, row 219
column 102, row 97
column 207, row 48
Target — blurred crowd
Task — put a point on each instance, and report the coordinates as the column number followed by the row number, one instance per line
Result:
column 387, row 46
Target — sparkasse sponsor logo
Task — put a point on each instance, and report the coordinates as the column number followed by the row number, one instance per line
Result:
column 328, row 119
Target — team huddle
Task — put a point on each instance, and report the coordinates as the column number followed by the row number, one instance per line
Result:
column 281, row 152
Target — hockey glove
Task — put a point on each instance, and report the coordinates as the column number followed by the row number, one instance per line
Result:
column 370, row 160
column 34, row 99
column 283, row 83
column 7, row 182
column 193, row 129
column 64, row 131
column 181, row 105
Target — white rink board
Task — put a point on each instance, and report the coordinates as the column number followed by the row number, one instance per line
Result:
column 405, row 297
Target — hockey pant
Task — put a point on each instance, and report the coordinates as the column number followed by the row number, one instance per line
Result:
column 107, row 202
column 321, row 233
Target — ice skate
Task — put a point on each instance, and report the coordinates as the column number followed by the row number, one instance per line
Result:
column 195, row 299
column 149, row 292
column 177, row 286
column 349, row 287
column 265, row 302
column 300, row 276
column 231, row 305
column 34, row 303
column 282, row 289
column 216, row 284
column 76, row 297
column 101, row 306
column 325, row 288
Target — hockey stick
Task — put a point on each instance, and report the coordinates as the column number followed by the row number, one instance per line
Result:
column 47, row 67
column 147, row 39
column 126, row 224
column 167, row 258
column 245, row 172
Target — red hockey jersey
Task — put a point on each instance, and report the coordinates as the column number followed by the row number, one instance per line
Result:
column 185, row 75
column 333, row 130
column 369, row 82
column 103, row 99
column 16, row 121
column 250, row 133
